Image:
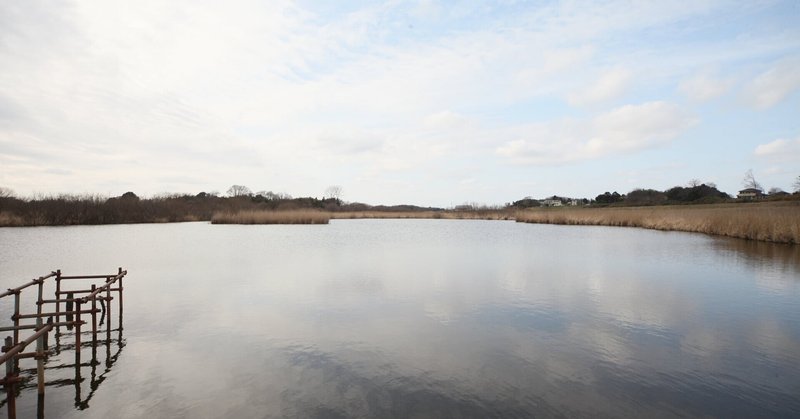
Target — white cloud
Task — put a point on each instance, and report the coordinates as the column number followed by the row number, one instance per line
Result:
column 623, row 130
column 780, row 150
column 609, row 86
column 703, row 87
column 248, row 91
column 774, row 85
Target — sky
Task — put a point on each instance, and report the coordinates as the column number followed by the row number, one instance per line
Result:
column 419, row 102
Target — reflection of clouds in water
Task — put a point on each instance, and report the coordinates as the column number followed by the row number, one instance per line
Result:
column 770, row 278
column 372, row 319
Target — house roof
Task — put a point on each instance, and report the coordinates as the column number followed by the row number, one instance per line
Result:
column 751, row 190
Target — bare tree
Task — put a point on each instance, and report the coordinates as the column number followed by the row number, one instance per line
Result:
column 750, row 182
column 693, row 183
column 6, row 192
column 239, row 190
column 796, row 184
column 333, row 192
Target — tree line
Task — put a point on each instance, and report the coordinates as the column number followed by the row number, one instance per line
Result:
column 66, row 209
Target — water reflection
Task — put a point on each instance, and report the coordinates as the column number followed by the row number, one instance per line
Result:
column 424, row 318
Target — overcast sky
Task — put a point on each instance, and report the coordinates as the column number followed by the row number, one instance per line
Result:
column 421, row 102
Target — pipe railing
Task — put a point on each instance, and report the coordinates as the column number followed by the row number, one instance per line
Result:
column 13, row 348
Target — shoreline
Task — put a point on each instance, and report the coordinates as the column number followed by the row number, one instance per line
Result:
column 766, row 222
column 775, row 222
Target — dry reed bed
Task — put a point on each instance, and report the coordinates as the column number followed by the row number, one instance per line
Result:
column 271, row 217
column 764, row 222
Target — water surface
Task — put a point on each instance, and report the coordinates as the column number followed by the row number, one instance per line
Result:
column 424, row 318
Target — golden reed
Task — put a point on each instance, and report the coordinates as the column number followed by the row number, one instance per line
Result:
column 771, row 222
column 271, row 217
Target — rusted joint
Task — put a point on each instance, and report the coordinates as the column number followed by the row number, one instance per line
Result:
column 10, row 380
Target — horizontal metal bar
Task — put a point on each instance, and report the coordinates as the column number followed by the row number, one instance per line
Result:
column 13, row 291
column 55, row 313
column 14, row 350
column 116, row 276
column 82, row 291
column 32, row 354
column 66, row 300
column 33, row 326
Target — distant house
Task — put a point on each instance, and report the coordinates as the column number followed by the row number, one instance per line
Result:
column 552, row 203
column 750, row 193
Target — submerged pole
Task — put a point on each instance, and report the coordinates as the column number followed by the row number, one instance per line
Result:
column 10, row 396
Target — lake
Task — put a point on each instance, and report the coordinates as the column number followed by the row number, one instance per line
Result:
column 422, row 318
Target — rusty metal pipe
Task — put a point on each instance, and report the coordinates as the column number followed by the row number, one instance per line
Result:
column 15, row 349
column 55, row 313
column 12, row 291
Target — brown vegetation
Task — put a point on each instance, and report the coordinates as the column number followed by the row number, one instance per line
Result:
column 271, row 217
column 773, row 222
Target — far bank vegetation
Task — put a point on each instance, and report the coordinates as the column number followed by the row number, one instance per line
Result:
column 769, row 221
column 696, row 207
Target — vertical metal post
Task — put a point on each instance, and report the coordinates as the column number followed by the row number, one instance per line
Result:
column 94, row 317
column 58, row 294
column 39, row 302
column 47, row 335
column 108, row 310
column 78, row 327
column 40, row 358
column 15, row 317
column 15, row 361
column 69, row 310
column 10, row 396
column 120, row 298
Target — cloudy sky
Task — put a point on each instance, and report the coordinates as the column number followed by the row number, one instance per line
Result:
column 422, row 102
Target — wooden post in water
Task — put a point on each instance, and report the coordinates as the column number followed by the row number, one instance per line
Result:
column 10, row 396
column 39, row 305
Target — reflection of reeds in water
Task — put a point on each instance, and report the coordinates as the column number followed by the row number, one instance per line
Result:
column 447, row 215
column 271, row 217
column 321, row 217
column 765, row 222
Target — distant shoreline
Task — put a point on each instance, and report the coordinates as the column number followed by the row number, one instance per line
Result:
column 776, row 222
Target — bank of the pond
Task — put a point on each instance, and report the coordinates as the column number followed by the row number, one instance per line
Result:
column 771, row 222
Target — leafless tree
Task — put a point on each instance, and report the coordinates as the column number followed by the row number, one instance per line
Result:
column 239, row 190
column 333, row 192
column 693, row 183
column 796, row 184
column 6, row 192
column 750, row 182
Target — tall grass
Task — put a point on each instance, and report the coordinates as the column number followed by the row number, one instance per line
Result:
column 271, row 217
column 772, row 222
column 8, row 219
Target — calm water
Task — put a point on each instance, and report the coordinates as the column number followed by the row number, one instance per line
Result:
column 424, row 318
